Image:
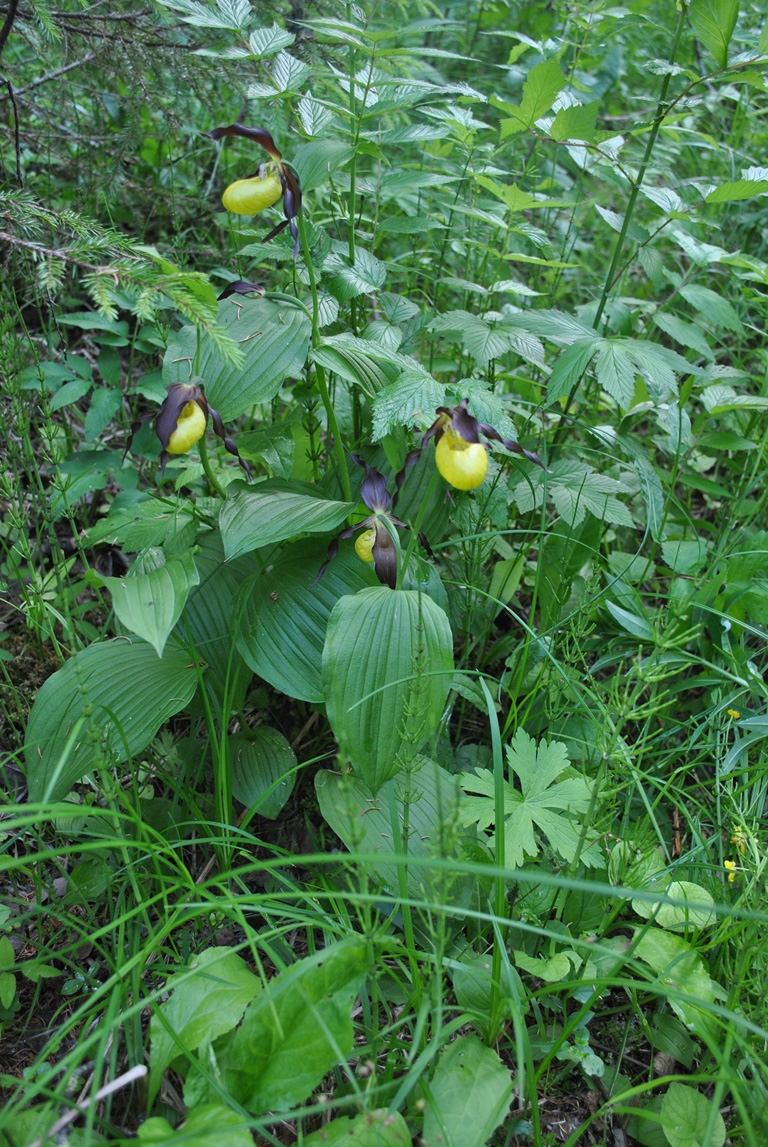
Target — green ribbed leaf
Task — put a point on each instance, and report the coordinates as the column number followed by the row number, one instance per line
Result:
column 150, row 604
column 255, row 516
column 274, row 340
column 128, row 693
column 387, row 667
column 284, row 615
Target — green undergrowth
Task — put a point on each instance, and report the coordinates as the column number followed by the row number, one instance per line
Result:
column 383, row 575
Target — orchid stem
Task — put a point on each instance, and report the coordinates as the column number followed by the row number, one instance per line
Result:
column 322, row 385
column 213, row 481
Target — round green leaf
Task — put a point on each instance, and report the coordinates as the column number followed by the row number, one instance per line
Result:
column 284, row 615
column 273, row 338
column 263, row 770
column 688, row 1119
column 387, row 666
column 121, row 691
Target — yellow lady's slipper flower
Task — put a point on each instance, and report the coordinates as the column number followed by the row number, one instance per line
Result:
column 462, row 464
column 375, row 544
column 190, row 428
column 181, row 421
column 364, row 545
column 251, row 195
column 460, row 455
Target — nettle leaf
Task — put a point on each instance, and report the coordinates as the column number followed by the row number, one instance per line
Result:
column 737, row 189
column 314, row 116
column 468, row 1096
column 713, row 22
column 347, row 280
column 267, row 41
column 150, row 604
column 575, row 489
column 412, row 399
column 575, row 122
column 570, row 368
column 235, row 14
column 717, row 310
column 537, row 804
column 615, row 372
column 105, row 402
column 556, row 326
column 544, row 82
column 273, row 339
column 685, row 333
column 480, row 340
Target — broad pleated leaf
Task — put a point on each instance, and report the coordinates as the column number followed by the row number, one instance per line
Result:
column 713, row 22
column 256, row 516
column 363, row 823
column 122, row 691
column 387, row 666
column 284, row 615
column 274, row 339
column 263, row 770
column 150, row 604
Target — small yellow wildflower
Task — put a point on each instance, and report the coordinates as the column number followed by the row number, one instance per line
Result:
column 739, row 838
column 730, row 868
column 733, row 713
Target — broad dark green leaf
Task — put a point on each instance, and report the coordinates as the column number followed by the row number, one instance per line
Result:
column 274, row 339
column 256, row 516
column 284, row 615
column 118, row 693
column 296, row 1029
column 263, row 770
column 206, row 1125
column 387, row 666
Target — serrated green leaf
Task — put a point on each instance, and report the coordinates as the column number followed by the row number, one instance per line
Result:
column 150, row 604
column 387, row 666
column 569, row 368
column 575, row 122
column 717, row 311
column 468, row 1097
column 256, row 516
column 540, row 90
column 537, row 804
column 480, row 340
column 284, row 614
column 70, row 393
column 267, row 41
column 575, row 489
column 346, row 280
column 713, row 22
column 412, row 399
column 141, row 524
column 273, row 339
column 317, row 161
column 296, row 1029
column 363, row 362
column 615, row 372
column 205, row 1001
column 737, row 189
column 120, row 689
column 685, row 333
